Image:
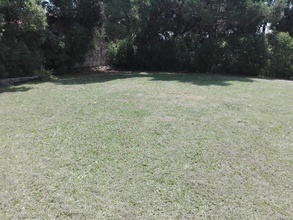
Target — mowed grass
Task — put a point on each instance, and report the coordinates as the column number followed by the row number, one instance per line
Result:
column 147, row 146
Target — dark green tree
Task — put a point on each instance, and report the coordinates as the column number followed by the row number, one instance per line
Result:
column 286, row 22
column 71, row 25
column 175, row 34
column 22, row 34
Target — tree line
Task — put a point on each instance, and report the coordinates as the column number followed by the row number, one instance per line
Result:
column 248, row 37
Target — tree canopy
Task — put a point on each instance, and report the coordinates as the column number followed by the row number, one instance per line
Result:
column 187, row 35
column 23, row 33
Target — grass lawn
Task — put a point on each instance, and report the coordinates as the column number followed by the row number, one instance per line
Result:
column 147, row 146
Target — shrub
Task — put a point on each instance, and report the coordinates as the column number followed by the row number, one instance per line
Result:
column 246, row 55
column 63, row 51
column 280, row 63
column 207, row 56
column 121, row 54
column 20, row 60
column 55, row 53
column 157, row 55
column 164, row 54
column 77, row 41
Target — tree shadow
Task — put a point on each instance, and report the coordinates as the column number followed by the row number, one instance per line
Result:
column 206, row 79
column 95, row 77
column 8, row 89
column 200, row 79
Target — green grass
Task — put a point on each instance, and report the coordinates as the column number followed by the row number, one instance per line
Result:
column 147, row 146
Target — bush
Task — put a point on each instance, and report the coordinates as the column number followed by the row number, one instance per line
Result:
column 155, row 55
column 121, row 54
column 55, row 54
column 206, row 56
column 280, row 62
column 63, row 51
column 3, row 72
column 197, row 56
column 246, row 55
column 77, row 41
column 164, row 55
column 158, row 55
column 19, row 60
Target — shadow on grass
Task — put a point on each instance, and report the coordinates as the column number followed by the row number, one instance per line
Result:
column 197, row 79
column 7, row 89
column 207, row 79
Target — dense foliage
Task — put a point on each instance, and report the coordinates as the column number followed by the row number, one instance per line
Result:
column 71, row 24
column 22, row 34
column 197, row 35
column 248, row 37
column 37, row 34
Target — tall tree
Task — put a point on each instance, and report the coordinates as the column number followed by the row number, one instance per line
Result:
column 23, row 33
column 86, row 13
column 285, row 24
column 71, row 23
